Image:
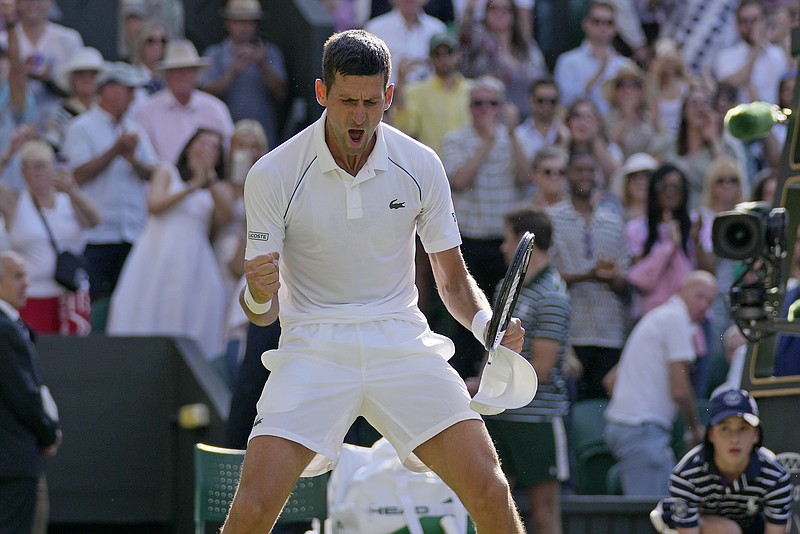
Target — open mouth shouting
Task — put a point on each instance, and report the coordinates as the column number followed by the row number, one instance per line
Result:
column 356, row 136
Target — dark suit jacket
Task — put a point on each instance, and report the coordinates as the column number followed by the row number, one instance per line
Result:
column 25, row 429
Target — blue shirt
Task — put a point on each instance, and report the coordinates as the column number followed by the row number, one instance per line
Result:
column 247, row 97
column 787, row 353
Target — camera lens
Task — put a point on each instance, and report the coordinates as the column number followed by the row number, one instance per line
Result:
column 737, row 236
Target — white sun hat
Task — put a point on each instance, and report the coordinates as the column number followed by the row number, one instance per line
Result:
column 86, row 58
column 507, row 382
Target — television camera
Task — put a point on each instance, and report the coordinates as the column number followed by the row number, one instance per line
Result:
column 755, row 234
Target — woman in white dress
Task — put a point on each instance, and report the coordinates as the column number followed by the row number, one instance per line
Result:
column 171, row 282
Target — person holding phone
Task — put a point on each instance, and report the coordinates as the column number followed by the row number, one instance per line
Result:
column 247, row 72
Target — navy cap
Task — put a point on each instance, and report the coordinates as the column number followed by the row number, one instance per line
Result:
column 733, row 402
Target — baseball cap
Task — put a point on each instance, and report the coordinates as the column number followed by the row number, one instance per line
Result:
column 440, row 39
column 121, row 73
column 733, row 402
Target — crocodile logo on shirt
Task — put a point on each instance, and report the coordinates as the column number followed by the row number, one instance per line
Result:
column 395, row 205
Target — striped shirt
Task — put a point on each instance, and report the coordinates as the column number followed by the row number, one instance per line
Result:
column 697, row 488
column 481, row 207
column 599, row 316
column 544, row 310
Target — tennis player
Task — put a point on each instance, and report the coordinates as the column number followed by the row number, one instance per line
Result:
column 331, row 222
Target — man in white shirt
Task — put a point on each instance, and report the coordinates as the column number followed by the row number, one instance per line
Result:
column 331, row 219
column 753, row 64
column 112, row 159
column 407, row 30
column 580, row 72
column 652, row 385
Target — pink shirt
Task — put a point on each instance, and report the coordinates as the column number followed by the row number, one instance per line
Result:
column 169, row 125
column 658, row 275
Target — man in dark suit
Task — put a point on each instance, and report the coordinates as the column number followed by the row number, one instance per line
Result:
column 28, row 428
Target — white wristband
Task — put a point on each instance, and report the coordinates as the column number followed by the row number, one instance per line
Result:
column 252, row 305
column 479, row 324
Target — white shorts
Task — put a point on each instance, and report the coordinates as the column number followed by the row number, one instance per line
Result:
column 393, row 373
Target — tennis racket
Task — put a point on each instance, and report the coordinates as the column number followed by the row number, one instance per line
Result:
column 509, row 293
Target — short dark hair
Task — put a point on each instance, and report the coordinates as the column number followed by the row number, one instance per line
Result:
column 545, row 81
column 355, row 53
column 532, row 219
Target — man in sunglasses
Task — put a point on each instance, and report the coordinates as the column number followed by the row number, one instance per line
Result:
column 487, row 171
column 580, row 72
column 428, row 109
column 543, row 127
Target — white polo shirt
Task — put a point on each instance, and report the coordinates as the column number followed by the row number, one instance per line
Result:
column 642, row 388
column 347, row 243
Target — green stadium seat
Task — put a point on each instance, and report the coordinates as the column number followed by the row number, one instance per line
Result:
column 217, row 472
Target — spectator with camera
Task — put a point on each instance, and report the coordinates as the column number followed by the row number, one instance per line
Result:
column 246, row 71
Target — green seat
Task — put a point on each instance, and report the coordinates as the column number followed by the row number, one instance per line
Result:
column 614, row 481
column 587, row 424
column 216, row 475
column 591, row 470
column 593, row 458
column 217, row 472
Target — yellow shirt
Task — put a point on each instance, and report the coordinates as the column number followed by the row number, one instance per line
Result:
column 431, row 110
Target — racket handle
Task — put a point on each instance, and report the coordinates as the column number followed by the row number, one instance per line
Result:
column 497, row 339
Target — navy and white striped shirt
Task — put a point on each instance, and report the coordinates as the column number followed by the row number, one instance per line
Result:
column 544, row 310
column 697, row 488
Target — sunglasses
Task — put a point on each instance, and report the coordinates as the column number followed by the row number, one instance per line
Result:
column 507, row 9
column 484, row 103
column 699, row 101
column 638, row 175
column 630, row 83
column 544, row 100
column 727, row 180
column 441, row 52
column 666, row 186
column 601, row 22
column 153, row 40
column 553, row 172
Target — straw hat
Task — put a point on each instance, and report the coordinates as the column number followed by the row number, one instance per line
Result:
column 629, row 70
column 242, row 10
column 181, row 54
column 86, row 58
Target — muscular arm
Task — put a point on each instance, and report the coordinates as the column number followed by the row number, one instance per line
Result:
column 263, row 279
column 459, row 292
column 462, row 297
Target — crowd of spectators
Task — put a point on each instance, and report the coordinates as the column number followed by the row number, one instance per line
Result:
column 619, row 139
